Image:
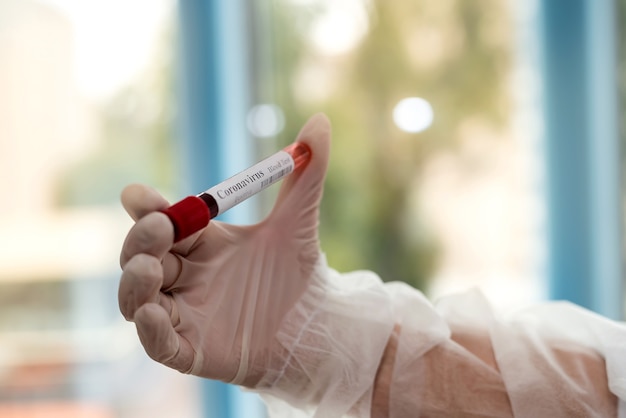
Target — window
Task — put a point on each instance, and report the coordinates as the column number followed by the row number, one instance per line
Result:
column 86, row 107
column 474, row 144
column 436, row 175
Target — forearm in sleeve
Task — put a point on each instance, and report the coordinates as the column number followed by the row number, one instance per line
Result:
column 357, row 347
column 493, row 367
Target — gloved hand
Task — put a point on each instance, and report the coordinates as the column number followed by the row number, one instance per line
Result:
column 211, row 305
column 257, row 305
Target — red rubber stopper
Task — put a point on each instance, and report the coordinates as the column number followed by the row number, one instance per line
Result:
column 188, row 216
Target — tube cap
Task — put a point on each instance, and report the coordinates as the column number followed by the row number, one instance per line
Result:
column 188, row 216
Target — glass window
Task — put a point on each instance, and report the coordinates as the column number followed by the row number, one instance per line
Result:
column 435, row 176
column 86, row 108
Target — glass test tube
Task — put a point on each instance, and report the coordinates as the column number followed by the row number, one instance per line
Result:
column 194, row 212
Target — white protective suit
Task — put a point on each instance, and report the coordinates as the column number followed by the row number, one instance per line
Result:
column 257, row 306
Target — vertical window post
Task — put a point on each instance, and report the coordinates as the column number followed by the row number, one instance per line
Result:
column 582, row 156
column 214, row 98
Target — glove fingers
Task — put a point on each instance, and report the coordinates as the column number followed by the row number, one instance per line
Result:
column 153, row 234
column 160, row 340
column 139, row 200
column 140, row 283
column 172, row 267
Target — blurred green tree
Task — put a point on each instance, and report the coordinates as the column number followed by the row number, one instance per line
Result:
column 454, row 53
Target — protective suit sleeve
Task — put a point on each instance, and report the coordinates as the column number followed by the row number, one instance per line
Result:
column 551, row 360
column 384, row 350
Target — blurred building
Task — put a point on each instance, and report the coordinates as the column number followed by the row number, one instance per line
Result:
column 64, row 348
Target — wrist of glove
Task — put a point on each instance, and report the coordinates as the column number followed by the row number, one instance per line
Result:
column 329, row 346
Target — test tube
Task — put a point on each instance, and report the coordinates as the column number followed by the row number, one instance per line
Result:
column 195, row 212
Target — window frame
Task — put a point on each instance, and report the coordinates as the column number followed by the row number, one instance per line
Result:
column 582, row 156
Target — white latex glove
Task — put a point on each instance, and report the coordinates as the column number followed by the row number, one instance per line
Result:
column 212, row 304
column 256, row 305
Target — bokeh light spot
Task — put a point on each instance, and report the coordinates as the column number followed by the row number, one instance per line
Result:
column 265, row 120
column 413, row 114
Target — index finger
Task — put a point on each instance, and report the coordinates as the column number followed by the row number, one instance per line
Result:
column 153, row 234
column 139, row 200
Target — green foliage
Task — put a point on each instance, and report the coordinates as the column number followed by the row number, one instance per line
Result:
column 453, row 53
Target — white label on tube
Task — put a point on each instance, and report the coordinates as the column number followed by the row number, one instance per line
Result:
column 251, row 181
